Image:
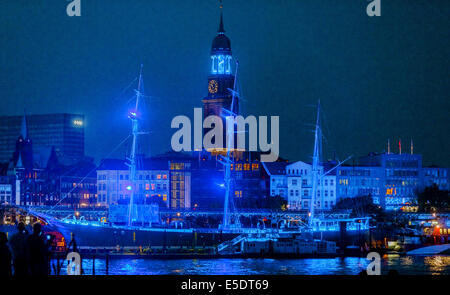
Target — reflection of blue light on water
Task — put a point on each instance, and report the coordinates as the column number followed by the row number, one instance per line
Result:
column 309, row 266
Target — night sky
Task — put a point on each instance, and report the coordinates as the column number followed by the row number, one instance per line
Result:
column 377, row 78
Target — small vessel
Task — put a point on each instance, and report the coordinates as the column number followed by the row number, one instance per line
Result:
column 278, row 244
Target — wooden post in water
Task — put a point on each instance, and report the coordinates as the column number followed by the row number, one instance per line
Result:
column 58, row 265
column 93, row 265
column 343, row 236
column 107, row 263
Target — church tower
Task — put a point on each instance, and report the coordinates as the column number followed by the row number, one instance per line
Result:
column 220, row 79
column 23, row 154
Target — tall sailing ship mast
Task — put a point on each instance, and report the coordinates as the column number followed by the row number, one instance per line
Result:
column 317, row 170
column 228, row 160
column 133, row 115
column 315, row 165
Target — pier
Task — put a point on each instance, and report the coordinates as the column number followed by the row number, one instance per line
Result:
column 431, row 250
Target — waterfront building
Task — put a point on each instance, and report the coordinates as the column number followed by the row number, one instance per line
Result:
column 180, row 184
column 401, row 178
column 208, row 182
column 392, row 180
column 355, row 181
column 276, row 175
column 299, row 185
column 180, row 178
column 439, row 176
column 6, row 192
column 63, row 132
column 293, row 181
column 114, row 185
column 248, row 183
column 78, row 184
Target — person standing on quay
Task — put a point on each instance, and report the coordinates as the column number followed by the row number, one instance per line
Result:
column 18, row 244
column 5, row 256
column 38, row 252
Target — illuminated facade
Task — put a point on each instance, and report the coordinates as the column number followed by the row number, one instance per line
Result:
column 355, row 181
column 293, row 181
column 392, row 180
column 276, row 172
column 401, row 178
column 248, row 186
column 78, row 185
column 6, row 193
column 299, row 181
column 64, row 132
column 180, row 184
column 114, row 185
column 439, row 176
column 248, row 183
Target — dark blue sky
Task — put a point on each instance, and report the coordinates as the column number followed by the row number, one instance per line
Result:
column 377, row 78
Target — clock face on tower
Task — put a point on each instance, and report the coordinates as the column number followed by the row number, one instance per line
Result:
column 213, row 86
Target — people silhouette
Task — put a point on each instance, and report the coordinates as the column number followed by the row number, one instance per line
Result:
column 18, row 245
column 5, row 256
column 38, row 252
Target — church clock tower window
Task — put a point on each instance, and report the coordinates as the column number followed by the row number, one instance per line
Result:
column 221, row 64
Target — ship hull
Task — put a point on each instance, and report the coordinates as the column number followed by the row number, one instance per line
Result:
column 105, row 236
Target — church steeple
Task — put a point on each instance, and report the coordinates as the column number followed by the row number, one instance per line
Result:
column 221, row 51
column 221, row 78
column 24, row 129
column 221, row 29
column 23, row 154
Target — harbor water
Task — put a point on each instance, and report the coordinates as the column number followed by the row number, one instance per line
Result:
column 404, row 265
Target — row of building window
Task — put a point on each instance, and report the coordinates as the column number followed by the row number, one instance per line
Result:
column 305, row 182
column 244, row 167
column 298, row 204
column 298, row 172
column 305, row 193
column 148, row 186
column 140, row 177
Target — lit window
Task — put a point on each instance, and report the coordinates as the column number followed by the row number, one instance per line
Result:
column 78, row 123
column 221, row 64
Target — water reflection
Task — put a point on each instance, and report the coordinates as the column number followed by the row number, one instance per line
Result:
column 314, row 266
column 437, row 264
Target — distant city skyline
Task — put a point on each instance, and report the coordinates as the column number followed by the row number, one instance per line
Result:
column 377, row 78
